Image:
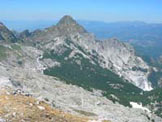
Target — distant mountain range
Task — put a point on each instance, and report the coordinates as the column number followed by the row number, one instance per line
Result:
column 146, row 38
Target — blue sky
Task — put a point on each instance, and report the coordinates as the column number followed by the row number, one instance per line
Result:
column 102, row 10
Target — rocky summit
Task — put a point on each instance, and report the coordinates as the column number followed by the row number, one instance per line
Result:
column 68, row 25
column 65, row 27
column 64, row 73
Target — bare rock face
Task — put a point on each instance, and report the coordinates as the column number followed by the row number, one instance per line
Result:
column 125, row 63
column 6, row 35
column 112, row 54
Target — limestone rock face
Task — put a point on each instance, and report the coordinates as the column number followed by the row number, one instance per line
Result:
column 125, row 63
column 111, row 53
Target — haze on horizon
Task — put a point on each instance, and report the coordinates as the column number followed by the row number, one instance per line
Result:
column 96, row 10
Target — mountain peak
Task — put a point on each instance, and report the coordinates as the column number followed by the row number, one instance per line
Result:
column 68, row 25
column 67, row 20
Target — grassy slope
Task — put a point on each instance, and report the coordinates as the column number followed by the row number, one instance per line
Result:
column 2, row 52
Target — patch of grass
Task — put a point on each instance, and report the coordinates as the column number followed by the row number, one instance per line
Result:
column 3, row 54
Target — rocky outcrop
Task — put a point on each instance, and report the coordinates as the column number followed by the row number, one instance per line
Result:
column 6, row 35
column 24, row 34
column 122, row 59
